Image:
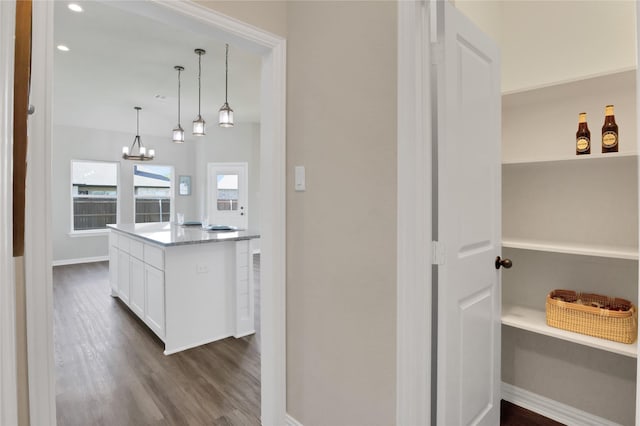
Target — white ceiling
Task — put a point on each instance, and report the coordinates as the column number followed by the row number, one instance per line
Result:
column 118, row 60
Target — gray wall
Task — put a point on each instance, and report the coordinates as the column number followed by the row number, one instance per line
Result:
column 341, row 232
column 75, row 143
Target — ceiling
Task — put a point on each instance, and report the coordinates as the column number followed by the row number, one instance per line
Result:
column 118, row 60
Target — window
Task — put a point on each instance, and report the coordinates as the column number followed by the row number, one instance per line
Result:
column 153, row 193
column 227, row 191
column 94, row 189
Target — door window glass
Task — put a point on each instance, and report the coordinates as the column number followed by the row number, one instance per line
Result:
column 227, row 191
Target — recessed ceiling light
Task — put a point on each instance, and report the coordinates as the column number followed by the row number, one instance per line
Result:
column 63, row 48
column 75, row 7
column 160, row 97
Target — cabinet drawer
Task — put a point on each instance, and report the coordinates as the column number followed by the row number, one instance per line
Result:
column 154, row 256
column 136, row 248
column 123, row 243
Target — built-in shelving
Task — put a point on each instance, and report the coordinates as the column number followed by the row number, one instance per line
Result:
column 569, row 222
column 573, row 248
column 627, row 73
column 535, row 321
column 576, row 158
column 540, row 125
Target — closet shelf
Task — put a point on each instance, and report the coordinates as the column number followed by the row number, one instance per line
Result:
column 573, row 85
column 535, row 321
column 576, row 158
column 620, row 252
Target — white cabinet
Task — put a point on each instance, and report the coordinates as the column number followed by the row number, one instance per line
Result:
column 154, row 299
column 188, row 294
column 124, row 277
column 113, row 270
column 136, row 279
column 137, row 283
column 569, row 222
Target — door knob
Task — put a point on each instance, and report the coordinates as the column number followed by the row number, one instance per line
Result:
column 506, row 263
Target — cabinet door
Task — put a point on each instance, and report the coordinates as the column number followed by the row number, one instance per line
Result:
column 136, row 299
column 154, row 299
column 123, row 276
column 113, row 270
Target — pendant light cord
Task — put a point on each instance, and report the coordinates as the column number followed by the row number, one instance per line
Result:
column 179, row 97
column 226, row 74
column 199, row 73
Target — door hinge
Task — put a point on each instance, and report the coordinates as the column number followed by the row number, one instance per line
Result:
column 437, row 253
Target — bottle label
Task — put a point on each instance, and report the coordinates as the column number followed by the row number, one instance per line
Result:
column 609, row 139
column 582, row 144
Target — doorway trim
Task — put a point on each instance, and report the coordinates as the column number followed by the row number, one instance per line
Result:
column 38, row 240
column 414, row 395
column 8, row 361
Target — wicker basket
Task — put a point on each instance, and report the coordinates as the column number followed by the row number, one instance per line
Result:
column 585, row 313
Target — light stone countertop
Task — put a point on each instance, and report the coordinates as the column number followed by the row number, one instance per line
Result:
column 171, row 234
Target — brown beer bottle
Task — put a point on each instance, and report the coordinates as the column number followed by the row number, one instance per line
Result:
column 609, row 131
column 583, row 136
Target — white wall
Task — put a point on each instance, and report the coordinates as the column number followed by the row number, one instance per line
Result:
column 544, row 42
column 240, row 143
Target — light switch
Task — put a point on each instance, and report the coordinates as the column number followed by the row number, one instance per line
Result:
column 300, row 184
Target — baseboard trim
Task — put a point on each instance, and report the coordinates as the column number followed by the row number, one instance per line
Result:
column 290, row 421
column 63, row 262
column 552, row 409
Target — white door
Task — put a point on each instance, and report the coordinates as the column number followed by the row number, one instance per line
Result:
column 227, row 194
column 468, row 217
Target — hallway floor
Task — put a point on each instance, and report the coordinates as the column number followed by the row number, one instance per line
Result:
column 111, row 370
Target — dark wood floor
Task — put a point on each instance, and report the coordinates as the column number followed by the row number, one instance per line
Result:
column 512, row 415
column 110, row 368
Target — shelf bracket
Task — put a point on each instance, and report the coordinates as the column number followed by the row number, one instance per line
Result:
column 438, row 253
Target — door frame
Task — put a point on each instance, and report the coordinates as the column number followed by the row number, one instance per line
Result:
column 415, row 396
column 8, row 345
column 208, row 198
column 272, row 49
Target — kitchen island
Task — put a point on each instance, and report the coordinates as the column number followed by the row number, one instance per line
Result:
column 190, row 286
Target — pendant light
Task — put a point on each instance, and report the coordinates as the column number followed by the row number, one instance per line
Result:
column 178, row 132
column 226, row 113
column 198, row 123
column 137, row 152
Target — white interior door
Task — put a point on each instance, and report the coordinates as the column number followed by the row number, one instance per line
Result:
column 228, row 194
column 469, row 228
